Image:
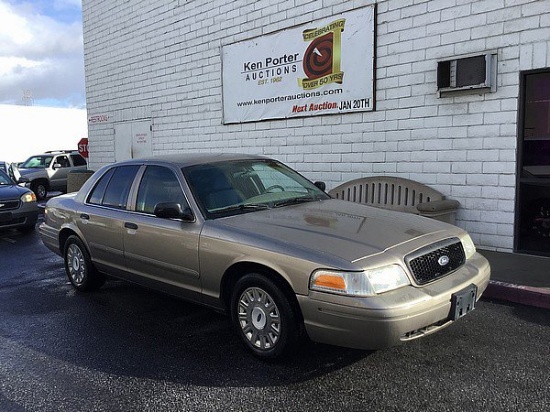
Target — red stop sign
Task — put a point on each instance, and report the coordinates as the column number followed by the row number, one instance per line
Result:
column 83, row 147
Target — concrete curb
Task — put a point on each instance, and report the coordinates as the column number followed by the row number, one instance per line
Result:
column 525, row 295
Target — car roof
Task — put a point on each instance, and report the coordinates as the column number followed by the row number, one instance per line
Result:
column 56, row 152
column 191, row 159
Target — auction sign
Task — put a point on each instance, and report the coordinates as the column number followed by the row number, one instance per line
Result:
column 323, row 67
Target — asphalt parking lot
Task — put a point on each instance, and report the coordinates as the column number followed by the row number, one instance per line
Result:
column 126, row 348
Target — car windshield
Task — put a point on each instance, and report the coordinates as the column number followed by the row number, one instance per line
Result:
column 4, row 179
column 229, row 188
column 37, row 162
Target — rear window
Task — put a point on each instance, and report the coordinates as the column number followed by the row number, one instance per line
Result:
column 78, row 160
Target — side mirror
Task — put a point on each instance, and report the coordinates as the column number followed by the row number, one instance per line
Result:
column 57, row 166
column 173, row 210
column 23, row 179
column 321, row 185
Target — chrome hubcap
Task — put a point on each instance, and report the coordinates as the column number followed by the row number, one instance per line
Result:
column 41, row 191
column 76, row 264
column 259, row 318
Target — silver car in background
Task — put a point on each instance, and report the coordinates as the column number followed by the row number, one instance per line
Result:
column 251, row 237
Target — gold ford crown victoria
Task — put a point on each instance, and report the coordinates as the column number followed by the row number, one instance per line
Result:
column 249, row 236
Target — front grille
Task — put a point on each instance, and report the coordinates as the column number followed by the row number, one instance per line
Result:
column 9, row 205
column 435, row 261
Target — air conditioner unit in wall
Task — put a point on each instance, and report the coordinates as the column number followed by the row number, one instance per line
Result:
column 473, row 72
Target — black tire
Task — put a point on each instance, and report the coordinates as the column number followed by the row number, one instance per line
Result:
column 264, row 317
column 40, row 189
column 79, row 268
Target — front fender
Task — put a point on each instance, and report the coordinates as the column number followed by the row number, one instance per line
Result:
column 214, row 266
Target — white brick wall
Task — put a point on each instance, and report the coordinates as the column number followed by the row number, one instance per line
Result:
column 149, row 59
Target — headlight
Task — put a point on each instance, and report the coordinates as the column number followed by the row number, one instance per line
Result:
column 468, row 245
column 366, row 283
column 28, row 197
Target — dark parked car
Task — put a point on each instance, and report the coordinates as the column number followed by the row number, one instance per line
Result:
column 249, row 236
column 18, row 208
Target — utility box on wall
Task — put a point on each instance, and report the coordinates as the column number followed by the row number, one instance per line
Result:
column 474, row 72
column 133, row 139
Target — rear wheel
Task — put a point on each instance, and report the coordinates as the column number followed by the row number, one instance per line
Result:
column 266, row 320
column 79, row 268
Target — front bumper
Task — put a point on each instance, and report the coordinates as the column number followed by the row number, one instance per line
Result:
column 393, row 317
column 25, row 216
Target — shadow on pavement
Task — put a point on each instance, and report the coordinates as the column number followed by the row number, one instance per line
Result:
column 126, row 330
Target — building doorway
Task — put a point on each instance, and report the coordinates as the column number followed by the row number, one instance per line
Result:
column 532, row 232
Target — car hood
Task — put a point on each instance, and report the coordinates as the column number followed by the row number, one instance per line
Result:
column 30, row 172
column 11, row 192
column 345, row 230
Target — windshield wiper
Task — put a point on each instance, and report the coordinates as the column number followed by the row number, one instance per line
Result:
column 243, row 206
column 294, row 200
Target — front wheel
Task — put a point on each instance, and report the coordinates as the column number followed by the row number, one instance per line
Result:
column 266, row 320
column 40, row 190
column 79, row 268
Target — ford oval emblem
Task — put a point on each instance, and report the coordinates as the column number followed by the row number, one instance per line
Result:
column 443, row 260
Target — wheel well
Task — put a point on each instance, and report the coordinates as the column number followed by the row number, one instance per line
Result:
column 63, row 236
column 45, row 182
column 235, row 272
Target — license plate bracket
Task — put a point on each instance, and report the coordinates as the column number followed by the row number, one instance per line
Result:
column 463, row 302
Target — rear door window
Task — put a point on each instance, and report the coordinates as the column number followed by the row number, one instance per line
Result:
column 114, row 186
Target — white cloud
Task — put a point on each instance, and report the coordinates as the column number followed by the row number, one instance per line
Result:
column 41, row 51
column 26, row 131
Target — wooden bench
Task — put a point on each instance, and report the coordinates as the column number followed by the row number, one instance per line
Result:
column 395, row 193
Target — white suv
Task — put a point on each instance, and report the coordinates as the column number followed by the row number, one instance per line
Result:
column 48, row 172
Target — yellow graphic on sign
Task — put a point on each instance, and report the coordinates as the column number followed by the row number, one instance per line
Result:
column 322, row 58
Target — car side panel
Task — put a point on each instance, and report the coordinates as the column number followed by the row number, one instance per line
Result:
column 164, row 250
column 58, row 177
column 102, row 231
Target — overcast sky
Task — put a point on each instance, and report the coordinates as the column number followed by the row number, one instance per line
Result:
column 41, row 53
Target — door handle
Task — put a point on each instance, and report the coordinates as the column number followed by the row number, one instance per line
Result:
column 130, row 225
column 85, row 216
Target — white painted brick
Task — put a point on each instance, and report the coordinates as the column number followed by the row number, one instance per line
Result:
column 465, row 192
column 172, row 74
column 467, row 167
column 487, row 6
